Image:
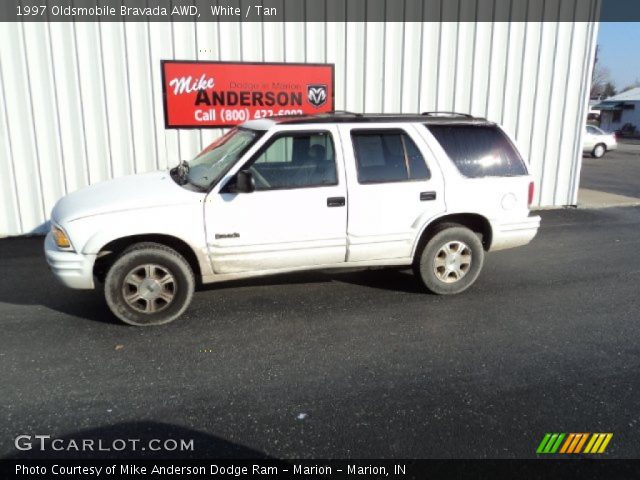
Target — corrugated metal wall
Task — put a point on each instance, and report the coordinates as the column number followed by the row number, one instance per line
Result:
column 81, row 103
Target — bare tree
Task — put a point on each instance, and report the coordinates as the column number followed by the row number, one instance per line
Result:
column 600, row 77
column 609, row 90
column 634, row 84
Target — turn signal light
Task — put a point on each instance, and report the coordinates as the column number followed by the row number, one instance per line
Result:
column 61, row 239
column 530, row 197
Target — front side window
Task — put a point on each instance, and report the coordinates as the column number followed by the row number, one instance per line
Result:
column 214, row 161
column 387, row 156
column 479, row 150
column 296, row 160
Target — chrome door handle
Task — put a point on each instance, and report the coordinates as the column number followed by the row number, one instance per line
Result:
column 426, row 196
column 336, row 202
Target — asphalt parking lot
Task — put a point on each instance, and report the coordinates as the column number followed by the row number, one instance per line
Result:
column 343, row 365
column 618, row 172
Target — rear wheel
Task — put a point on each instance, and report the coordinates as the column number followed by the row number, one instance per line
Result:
column 149, row 284
column 451, row 260
column 599, row 150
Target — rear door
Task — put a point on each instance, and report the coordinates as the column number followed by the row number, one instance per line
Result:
column 394, row 186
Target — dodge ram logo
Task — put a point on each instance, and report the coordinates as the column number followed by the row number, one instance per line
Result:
column 317, row 95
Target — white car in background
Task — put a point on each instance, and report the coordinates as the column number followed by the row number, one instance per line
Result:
column 598, row 142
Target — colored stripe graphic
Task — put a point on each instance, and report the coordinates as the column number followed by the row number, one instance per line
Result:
column 556, row 445
column 550, row 443
column 598, row 443
column 605, row 443
column 543, row 443
column 552, row 440
column 573, row 443
column 567, row 443
column 591, row 442
column 581, row 442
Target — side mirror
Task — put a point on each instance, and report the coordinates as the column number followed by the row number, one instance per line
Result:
column 245, row 182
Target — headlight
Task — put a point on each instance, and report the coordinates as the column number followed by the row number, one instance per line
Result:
column 60, row 237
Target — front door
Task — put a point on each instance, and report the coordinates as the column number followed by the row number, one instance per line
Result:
column 297, row 215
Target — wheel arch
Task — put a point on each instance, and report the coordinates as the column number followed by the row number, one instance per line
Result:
column 110, row 251
column 473, row 221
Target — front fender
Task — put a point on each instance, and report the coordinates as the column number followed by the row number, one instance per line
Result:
column 184, row 222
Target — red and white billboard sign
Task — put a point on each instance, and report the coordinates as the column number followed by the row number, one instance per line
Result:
column 222, row 94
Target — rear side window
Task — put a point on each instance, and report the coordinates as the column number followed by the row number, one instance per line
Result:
column 479, row 151
column 387, row 156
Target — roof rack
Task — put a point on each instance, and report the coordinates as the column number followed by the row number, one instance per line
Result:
column 344, row 112
column 342, row 116
column 438, row 113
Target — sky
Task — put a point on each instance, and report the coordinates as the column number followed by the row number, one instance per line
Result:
column 620, row 51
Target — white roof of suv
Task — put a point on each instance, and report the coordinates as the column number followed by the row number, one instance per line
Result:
column 350, row 117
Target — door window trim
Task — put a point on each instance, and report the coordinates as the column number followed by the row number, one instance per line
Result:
column 381, row 130
column 292, row 133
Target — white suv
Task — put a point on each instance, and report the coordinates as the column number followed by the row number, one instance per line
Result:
column 283, row 194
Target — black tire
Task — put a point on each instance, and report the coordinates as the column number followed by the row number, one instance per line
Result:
column 464, row 271
column 169, row 277
column 599, row 150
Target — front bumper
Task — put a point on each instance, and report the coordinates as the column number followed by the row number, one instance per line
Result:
column 73, row 269
column 514, row 234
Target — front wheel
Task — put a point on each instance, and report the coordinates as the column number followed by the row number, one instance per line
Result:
column 451, row 261
column 149, row 284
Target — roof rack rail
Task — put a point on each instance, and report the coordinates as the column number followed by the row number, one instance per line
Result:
column 435, row 114
column 345, row 112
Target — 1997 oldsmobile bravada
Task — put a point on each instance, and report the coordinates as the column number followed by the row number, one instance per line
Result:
column 275, row 195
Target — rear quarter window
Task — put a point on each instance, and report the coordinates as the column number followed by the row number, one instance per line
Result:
column 479, row 151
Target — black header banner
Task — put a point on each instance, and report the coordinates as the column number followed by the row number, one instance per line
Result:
column 319, row 10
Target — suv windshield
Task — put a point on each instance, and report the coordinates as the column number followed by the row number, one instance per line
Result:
column 214, row 161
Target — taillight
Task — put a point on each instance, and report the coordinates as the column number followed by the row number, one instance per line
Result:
column 530, row 197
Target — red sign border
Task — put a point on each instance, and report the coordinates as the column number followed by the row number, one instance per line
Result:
column 196, row 127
